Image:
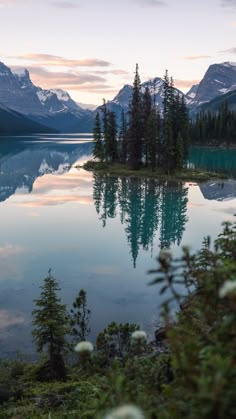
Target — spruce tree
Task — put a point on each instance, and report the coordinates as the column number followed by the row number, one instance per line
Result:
column 123, row 143
column 98, row 150
column 147, row 109
column 105, row 129
column 112, row 145
column 135, row 124
column 50, row 327
column 80, row 317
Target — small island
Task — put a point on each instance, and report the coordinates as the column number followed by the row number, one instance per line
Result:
column 149, row 142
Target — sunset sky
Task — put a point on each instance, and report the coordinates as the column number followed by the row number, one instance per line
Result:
column 90, row 48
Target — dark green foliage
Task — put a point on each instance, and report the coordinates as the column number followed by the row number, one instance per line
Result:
column 135, row 133
column 148, row 137
column 175, row 137
column 50, row 327
column 98, row 150
column 115, row 340
column 80, row 318
column 147, row 127
column 112, row 145
column 203, row 339
column 215, row 127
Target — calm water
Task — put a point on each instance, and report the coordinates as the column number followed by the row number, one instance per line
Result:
column 99, row 233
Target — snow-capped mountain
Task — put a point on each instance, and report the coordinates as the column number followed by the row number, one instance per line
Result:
column 21, row 166
column 88, row 106
column 219, row 191
column 156, row 89
column 218, row 80
column 122, row 100
column 17, row 92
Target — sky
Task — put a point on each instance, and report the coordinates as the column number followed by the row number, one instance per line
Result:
column 90, row 48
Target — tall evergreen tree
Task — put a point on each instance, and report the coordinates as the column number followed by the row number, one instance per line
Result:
column 112, row 145
column 98, row 150
column 123, row 141
column 135, row 123
column 147, row 109
column 50, row 327
column 80, row 318
column 105, row 129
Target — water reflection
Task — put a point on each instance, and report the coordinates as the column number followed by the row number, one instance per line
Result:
column 214, row 159
column 144, row 207
column 22, row 163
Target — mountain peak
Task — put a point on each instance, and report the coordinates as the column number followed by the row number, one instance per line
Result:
column 21, row 72
column 229, row 64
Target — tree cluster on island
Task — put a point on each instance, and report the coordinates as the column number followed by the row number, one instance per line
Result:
column 147, row 137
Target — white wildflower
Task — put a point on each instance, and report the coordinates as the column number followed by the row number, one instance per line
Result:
column 228, row 287
column 85, row 346
column 125, row 412
column 139, row 335
column 165, row 255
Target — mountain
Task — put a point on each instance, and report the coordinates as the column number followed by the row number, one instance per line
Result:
column 155, row 85
column 219, row 191
column 122, row 100
column 54, row 108
column 12, row 122
column 88, row 106
column 214, row 104
column 22, row 163
column 218, row 80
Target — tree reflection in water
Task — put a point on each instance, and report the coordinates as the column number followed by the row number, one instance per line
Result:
column 144, row 206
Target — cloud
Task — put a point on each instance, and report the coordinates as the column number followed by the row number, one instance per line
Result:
column 55, row 60
column 185, row 83
column 65, row 4
column 151, row 3
column 116, row 72
column 74, row 80
column 228, row 3
column 102, row 270
column 65, row 78
column 48, row 201
column 4, row 3
column 195, row 57
column 9, row 250
column 229, row 50
column 9, row 319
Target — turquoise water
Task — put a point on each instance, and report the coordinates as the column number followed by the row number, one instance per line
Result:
column 98, row 233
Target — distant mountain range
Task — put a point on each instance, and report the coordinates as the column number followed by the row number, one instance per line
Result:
column 53, row 108
column 25, row 107
column 12, row 122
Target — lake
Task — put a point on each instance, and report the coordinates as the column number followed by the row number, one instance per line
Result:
column 98, row 233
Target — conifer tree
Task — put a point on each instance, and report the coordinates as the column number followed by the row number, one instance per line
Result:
column 105, row 129
column 147, row 109
column 50, row 327
column 80, row 317
column 135, row 124
column 98, row 150
column 112, row 145
column 123, row 143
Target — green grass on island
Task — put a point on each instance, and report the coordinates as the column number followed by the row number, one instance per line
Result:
column 118, row 169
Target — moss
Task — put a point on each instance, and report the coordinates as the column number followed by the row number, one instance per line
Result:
column 117, row 169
